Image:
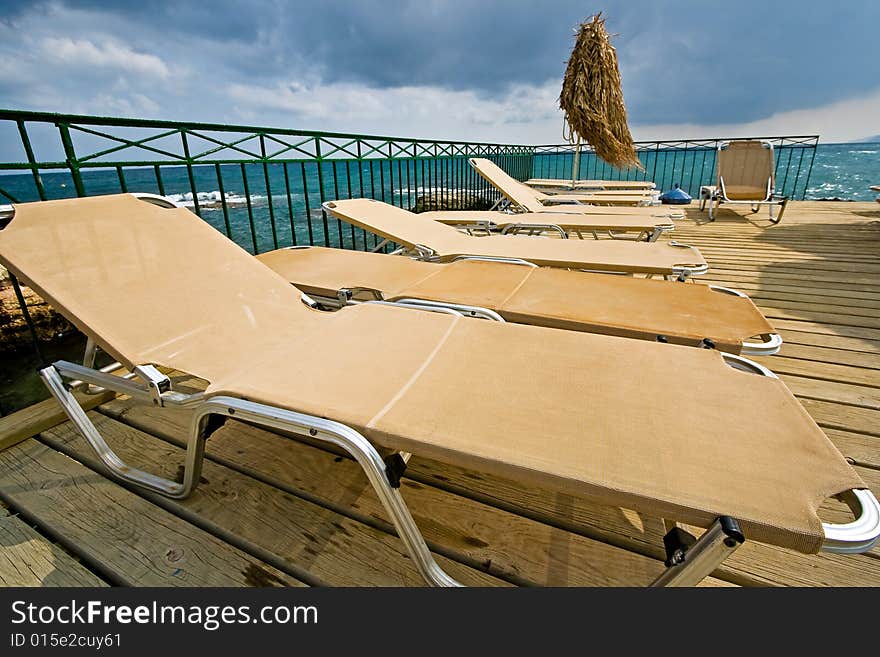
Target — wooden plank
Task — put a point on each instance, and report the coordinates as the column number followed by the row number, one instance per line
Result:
column 861, row 376
column 872, row 336
column 838, row 251
column 794, row 301
column 29, row 559
column 845, row 418
column 43, row 415
column 752, row 283
column 829, row 355
column 287, row 532
column 749, row 282
column 832, row 391
column 859, row 449
column 832, row 318
column 93, row 517
column 841, row 252
column 796, row 263
column 811, row 270
column 807, row 335
column 827, row 281
column 863, row 310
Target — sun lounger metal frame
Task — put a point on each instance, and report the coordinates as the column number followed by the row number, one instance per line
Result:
column 587, row 185
column 504, row 207
column 715, row 195
column 688, row 562
column 533, row 229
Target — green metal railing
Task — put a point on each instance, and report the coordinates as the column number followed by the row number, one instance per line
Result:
column 263, row 187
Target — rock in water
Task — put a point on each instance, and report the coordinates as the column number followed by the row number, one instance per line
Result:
column 451, row 200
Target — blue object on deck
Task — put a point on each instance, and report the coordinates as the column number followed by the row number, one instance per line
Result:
column 675, row 196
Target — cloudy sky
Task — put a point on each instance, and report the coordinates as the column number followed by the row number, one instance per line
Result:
column 453, row 69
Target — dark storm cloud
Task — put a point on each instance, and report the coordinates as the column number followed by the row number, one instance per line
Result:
column 684, row 61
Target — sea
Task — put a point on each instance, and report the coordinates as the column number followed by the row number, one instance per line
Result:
column 845, row 171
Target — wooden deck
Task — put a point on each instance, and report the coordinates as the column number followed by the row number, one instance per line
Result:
column 272, row 511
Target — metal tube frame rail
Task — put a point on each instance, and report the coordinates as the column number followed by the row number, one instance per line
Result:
column 770, row 343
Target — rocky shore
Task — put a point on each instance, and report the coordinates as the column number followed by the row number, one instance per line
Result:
column 451, row 200
column 14, row 333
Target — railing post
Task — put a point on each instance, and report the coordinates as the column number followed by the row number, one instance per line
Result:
column 302, row 166
column 28, row 320
column 72, row 163
column 289, row 204
column 810, row 170
column 268, row 191
column 250, row 207
column 29, row 152
column 360, row 163
column 321, row 189
column 223, row 205
column 189, row 172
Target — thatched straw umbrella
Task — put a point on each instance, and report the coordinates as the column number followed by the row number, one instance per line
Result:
column 592, row 99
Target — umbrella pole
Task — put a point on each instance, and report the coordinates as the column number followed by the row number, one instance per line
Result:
column 576, row 165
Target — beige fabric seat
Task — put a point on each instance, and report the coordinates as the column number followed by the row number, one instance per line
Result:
column 540, row 296
column 445, row 243
column 746, row 175
column 584, row 414
column 527, row 199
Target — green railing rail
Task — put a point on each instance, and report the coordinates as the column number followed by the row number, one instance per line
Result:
column 690, row 163
column 263, row 187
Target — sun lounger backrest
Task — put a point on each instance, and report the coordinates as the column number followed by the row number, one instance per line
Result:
column 511, row 188
column 325, row 270
column 446, row 242
column 108, row 262
column 745, row 166
column 399, row 225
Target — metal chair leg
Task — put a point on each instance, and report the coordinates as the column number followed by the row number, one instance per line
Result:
column 352, row 442
column 118, row 467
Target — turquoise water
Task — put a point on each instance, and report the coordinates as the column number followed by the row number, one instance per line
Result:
column 845, row 171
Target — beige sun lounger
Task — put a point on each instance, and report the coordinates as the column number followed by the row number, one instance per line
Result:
column 746, row 175
column 526, row 199
column 560, row 183
column 618, row 223
column 695, row 315
column 431, row 240
column 582, row 414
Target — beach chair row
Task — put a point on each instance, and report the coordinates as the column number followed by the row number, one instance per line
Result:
column 494, row 353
